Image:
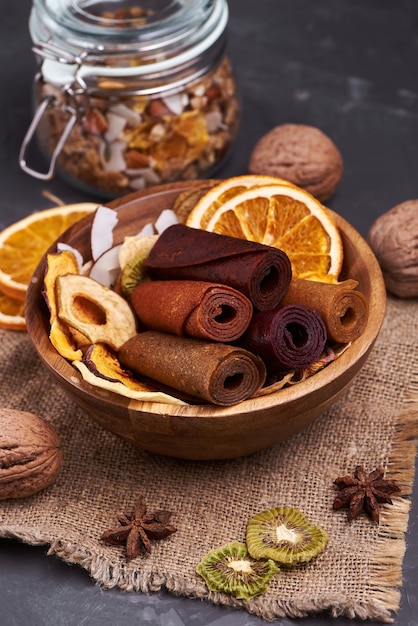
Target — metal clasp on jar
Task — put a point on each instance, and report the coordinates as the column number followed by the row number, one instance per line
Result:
column 48, row 51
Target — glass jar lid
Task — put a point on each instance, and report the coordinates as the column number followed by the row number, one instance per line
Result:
column 131, row 33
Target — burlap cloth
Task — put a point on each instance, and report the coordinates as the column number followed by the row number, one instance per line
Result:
column 359, row 574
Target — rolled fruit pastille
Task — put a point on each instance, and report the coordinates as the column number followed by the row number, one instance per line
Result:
column 287, row 337
column 343, row 308
column 214, row 372
column 262, row 273
column 192, row 308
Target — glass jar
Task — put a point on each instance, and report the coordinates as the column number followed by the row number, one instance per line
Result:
column 131, row 95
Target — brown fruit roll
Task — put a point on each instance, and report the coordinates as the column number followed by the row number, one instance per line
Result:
column 192, row 308
column 214, row 372
column 260, row 272
column 343, row 308
column 288, row 337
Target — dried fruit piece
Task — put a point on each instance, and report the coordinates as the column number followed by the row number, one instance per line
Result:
column 231, row 569
column 57, row 264
column 132, row 274
column 132, row 246
column 224, row 190
column 104, row 365
column 12, row 313
column 63, row 341
column 145, row 392
column 284, row 535
column 280, row 215
column 30, row 454
column 23, row 243
column 60, row 264
column 186, row 200
column 94, row 310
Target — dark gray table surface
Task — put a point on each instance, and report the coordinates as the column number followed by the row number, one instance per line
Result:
column 349, row 67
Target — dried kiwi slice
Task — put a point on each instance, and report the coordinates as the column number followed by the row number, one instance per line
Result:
column 132, row 274
column 284, row 535
column 232, row 570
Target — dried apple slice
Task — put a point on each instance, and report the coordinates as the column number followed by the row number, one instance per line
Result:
column 132, row 246
column 59, row 264
column 94, row 310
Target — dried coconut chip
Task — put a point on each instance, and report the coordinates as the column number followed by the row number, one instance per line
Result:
column 101, row 238
column 107, row 268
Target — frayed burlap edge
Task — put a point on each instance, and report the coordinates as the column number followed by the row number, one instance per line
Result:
column 386, row 565
column 110, row 575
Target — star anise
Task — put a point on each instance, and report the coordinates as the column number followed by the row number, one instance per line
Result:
column 137, row 528
column 364, row 492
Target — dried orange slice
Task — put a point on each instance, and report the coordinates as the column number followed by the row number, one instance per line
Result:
column 23, row 243
column 12, row 314
column 276, row 213
column 216, row 196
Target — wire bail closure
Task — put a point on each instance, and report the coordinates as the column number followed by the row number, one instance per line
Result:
column 53, row 53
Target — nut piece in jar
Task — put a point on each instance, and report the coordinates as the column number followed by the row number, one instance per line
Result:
column 301, row 154
column 30, row 454
column 393, row 238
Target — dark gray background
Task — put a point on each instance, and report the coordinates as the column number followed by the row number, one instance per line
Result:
column 349, row 67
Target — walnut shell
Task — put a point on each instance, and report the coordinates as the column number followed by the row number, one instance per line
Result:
column 393, row 238
column 30, row 454
column 301, row 154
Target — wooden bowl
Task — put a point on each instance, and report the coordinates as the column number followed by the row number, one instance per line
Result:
column 203, row 432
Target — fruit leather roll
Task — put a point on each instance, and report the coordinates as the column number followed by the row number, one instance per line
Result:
column 288, row 337
column 215, row 372
column 343, row 308
column 260, row 272
column 192, row 308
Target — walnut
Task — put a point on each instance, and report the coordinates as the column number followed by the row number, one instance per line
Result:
column 304, row 155
column 30, row 454
column 393, row 238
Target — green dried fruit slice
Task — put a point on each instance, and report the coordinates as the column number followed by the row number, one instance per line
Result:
column 230, row 569
column 132, row 274
column 284, row 535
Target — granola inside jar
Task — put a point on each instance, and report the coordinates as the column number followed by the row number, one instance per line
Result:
column 131, row 95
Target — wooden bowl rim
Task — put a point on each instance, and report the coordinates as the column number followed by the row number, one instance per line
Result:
column 38, row 326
